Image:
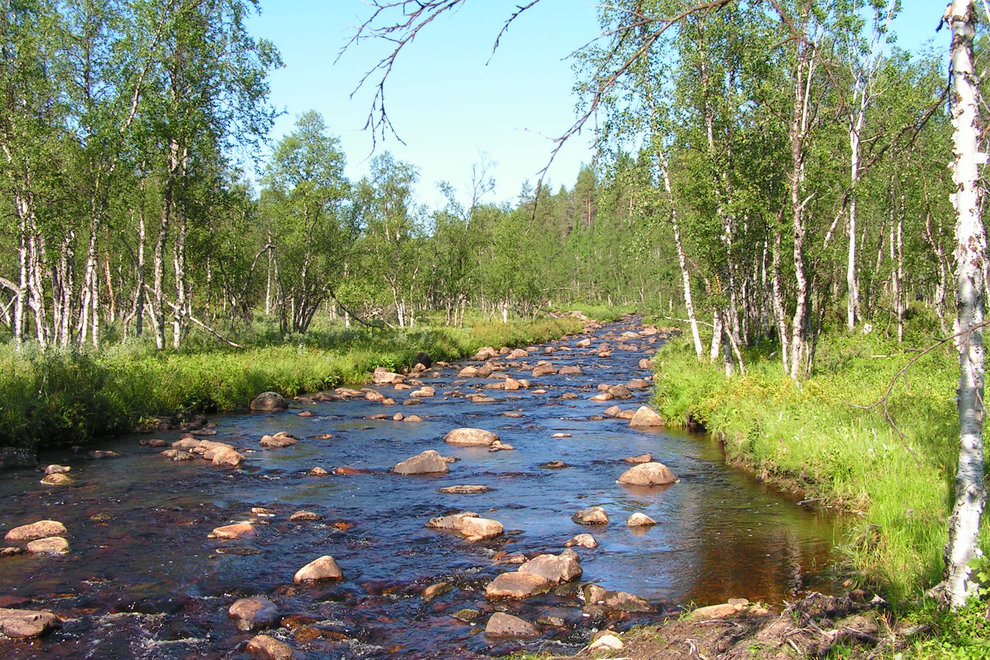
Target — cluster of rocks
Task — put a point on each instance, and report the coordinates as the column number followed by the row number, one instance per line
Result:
column 44, row 537
column 219, row 454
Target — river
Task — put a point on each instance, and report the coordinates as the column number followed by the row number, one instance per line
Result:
column 143, row 580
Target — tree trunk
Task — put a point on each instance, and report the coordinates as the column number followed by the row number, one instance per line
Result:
column 964, row 525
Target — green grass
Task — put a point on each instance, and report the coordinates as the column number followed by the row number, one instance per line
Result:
column 819, row 438
column 50, row 398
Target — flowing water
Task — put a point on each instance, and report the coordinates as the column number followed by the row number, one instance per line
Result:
column 144, row 581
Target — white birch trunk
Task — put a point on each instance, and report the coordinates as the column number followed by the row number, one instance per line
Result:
column 964, row 525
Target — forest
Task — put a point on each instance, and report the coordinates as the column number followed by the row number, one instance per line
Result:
column 773, row 177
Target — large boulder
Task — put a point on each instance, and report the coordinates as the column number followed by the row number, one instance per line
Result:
column 648, row 474
column 36, row 530
column 251, row 613
column 646, row 418
column 428, row 462
column 517, row 585
column 23, row 624
column 501, row 624
column 555, row 568
column 469, row 437
column 324, row 568
column 269, row 402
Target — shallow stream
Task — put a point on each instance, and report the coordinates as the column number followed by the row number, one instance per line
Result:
column 144, row 581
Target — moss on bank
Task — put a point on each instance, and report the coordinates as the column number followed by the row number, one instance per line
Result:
column 52, row 398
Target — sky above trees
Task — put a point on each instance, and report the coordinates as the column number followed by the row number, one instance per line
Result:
column 452, row 104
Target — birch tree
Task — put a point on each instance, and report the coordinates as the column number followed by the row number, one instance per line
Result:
column 970, row 494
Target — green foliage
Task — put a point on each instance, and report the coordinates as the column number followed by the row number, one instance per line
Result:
column 50, row 398
column 823, row 438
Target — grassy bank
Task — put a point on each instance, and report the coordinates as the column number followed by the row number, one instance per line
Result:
column 54, row 398
column 820, row 439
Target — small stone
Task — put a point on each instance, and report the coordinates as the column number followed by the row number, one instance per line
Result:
column 642, row 458
column 593, row 516
column 619, row 600
column 613, row 411
column 306, row 413
column 719, row 611
column 278, row 441
column 317, row 472
column 607, row 642
column 640, row 520
column 304, row 516
column 467, row 615
column 582, row 541
column 157, row 443
column 324, row 568
column 53, row 545
column 434, row 590
column 37, row 530
column 235, row 531
column 262, row 512
column 498, row 445
column 10, row 551
column 501, row 624
column 413, row 419
column 269, row 648
column 561, row 435
column 251, row 613
column 554, row 465
column 57, row 469
column 463, row 490
column 57, row 479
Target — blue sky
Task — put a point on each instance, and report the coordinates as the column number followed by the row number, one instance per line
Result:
column 452, row 106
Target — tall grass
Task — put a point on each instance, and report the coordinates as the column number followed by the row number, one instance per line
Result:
column 50, row 398
column 894, row 476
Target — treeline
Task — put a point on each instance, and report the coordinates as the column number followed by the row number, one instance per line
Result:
column 797, row 157
column 771, row 169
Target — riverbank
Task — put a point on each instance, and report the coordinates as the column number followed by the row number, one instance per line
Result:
column 873, row 434
column 66, row 398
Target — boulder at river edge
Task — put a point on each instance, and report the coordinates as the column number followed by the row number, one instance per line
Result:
column 468, row 437
column 23, row 624
column 269, row 402
column 648, row 474
column 428, row 462
column 646, row 418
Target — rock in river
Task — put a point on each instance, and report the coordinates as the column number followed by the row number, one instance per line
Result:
column 37, row 530
column 555, row 568
column 22, row 624
column 52, row 545
column 640, row 520
column 251, row 613
column 517, row 585
column 269, row 402
column 506, row 625
column 279, row 440
column 428, row 462
column 646, row 418
column 648, row 474
column 269, row 648
column 235, row 531
column 324, row 568
column 468, row 437
column 594, row 516
column 583, row 541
